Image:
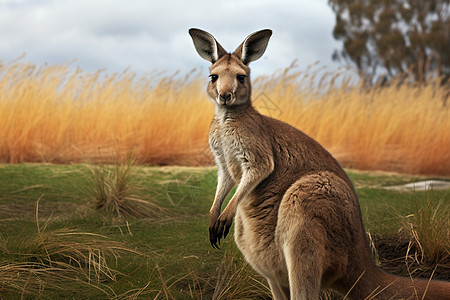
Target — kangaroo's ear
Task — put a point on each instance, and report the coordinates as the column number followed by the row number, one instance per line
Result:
column 206, row 45
column 253, row 46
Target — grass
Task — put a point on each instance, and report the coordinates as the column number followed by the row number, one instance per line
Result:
column 55, row 114
column 429, row 226
column 113, row 191
column 55, row 244
column 236, row 279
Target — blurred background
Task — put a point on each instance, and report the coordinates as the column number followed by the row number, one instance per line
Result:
column 152, row 35
column 368, row 79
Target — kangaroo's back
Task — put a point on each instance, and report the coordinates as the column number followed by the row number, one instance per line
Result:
column 297, row 216
column 301, row 154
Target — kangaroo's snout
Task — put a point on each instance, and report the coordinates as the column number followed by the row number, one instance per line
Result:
column 225, row 97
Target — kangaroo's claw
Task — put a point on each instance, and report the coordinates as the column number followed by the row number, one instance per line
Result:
column 213, row 237
column 219, row 230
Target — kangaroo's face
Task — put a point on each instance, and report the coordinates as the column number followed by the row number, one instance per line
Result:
column 229, row 83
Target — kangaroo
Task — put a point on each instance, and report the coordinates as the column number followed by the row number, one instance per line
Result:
column 297, row 217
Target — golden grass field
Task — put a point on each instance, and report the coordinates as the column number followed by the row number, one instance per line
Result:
column 60, row 115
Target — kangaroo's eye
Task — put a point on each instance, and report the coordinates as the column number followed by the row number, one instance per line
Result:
column 241, row 78
column 214, row 77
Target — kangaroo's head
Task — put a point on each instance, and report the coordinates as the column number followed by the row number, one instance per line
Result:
column 230, row 74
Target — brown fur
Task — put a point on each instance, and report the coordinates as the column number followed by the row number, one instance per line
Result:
column 297, row 216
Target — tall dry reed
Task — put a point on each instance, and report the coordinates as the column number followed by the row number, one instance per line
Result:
column 57, row 114
column 401, row 127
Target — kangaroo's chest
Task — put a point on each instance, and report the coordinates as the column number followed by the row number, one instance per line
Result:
column 256, row 216
column 228, row 149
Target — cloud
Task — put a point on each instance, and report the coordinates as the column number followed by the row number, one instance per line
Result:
column 152, row 35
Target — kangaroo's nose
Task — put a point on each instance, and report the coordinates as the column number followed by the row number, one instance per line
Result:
column 225, row 96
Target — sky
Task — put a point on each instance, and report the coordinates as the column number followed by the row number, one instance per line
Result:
column 146, row 36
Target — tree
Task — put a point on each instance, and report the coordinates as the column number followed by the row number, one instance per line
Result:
column 394, row 36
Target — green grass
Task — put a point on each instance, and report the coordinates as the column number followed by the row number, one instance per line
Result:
column 54, row 243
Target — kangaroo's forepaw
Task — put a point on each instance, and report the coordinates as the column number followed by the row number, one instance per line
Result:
column 220, row 229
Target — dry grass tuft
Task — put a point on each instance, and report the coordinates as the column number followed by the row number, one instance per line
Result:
column 56, row 259
column 236, row 279
column 55, row 114
column 429, row 228
column 31, row 278
column 87, row 252
column 114, row 191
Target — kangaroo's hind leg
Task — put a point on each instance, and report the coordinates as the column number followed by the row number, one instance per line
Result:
column 303, row 253
column 313, row 233
column 278, row 292
column 301, row 242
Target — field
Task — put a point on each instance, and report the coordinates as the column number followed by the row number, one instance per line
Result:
column 58, row 242
column 80, row 219
column 54, row 114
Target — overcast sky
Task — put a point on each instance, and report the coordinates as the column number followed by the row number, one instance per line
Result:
column 153, row 35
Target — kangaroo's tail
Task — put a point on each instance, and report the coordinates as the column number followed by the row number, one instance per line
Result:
column 381, row 285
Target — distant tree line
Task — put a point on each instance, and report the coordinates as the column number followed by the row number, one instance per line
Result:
column 394, row 37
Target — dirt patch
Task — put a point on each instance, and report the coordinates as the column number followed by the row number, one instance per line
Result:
column 399, row 257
